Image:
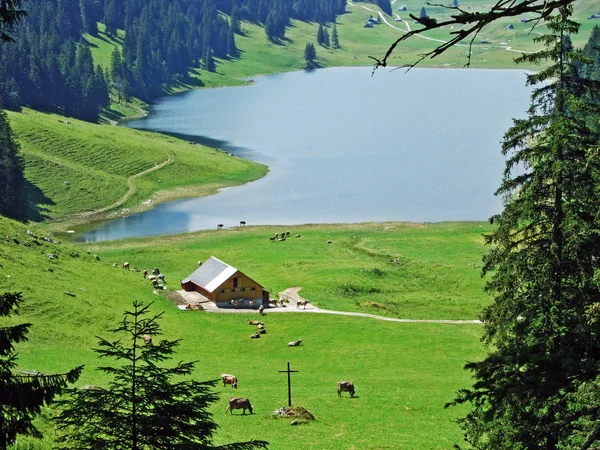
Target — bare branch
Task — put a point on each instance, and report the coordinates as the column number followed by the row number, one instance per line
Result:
column 475, row 22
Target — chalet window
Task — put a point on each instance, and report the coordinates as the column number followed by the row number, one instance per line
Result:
column 242, row 289
column 253, row 288
column 222, row 291
column 235, row 282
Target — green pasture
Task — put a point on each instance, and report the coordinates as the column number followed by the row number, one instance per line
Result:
column 404, row 372
column 76, row 166
column 495, row 47
column 437, row 276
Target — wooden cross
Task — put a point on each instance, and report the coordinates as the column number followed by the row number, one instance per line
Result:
column 289, row 383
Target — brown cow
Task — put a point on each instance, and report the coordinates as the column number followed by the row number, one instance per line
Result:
column 254, row 322
column 148, row 339
column 346, row 386
column 239, row 403
column 229, row 379
column 302, row 303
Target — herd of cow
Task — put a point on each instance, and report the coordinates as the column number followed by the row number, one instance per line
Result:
column 244, row 404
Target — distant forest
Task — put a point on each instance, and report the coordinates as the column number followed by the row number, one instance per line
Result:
column 50, row 67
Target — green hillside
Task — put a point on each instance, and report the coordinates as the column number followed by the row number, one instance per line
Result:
column 77, row 167
column 259, row 56
column 75, row 296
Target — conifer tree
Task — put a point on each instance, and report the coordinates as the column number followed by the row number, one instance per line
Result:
column 146, row 405
column 335, row 40
column 12, row 182
column 10, row 15
column 22, row 394
column 385, row 5
column 310, row 55
column 320, row 35
column 538, row 386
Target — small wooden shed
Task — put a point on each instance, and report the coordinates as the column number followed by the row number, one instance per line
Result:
column 221, row 283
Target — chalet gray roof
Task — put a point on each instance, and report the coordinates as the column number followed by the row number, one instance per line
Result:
column 211, row 274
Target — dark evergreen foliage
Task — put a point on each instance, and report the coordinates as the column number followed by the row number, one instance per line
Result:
column 11, row 13
column 385, row 5
column 13, row 201
column 146, row 405
column 335, row 40
column 310, row 55
column 50, row 66
column 22, row 394
column 538, row 386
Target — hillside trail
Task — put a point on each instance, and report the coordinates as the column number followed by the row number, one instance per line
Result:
column 130, row 191
column 293, row 297
column 408, row 29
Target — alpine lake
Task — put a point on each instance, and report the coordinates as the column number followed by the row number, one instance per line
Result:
column 343, row 145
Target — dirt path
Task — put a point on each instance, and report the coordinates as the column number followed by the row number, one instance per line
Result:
column 130, row 191
column 405, row 22
column 293, row 297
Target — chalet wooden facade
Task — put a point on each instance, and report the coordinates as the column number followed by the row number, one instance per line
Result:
column 221, row 283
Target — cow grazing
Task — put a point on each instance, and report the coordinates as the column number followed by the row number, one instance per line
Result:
column 255, row 335
column 229, row 379
column 125, row 265
column 295, row 343
column 238, row 403
column 155, row 271
column 147, row 339
column 261, row 310
column 145, row 273
column 242, row 223
column 346, row 386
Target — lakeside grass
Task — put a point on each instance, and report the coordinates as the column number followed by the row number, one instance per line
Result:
column 404, row 373
column 75, row 166
column 437, row 276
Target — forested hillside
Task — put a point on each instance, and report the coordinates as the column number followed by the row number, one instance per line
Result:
column 50, row 67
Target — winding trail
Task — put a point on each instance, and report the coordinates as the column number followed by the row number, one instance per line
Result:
column 405, row 22
column 292, row 296
column 130, row 191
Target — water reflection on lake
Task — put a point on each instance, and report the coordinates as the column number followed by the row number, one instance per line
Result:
column 343, row 146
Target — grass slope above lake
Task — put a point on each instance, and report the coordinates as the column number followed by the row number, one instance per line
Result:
column 495, row 47
column 77, row 167
column 437, row 274
column 404, row 373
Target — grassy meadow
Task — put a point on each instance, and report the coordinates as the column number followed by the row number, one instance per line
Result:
column 75, row 167
column 404, row 372
column 259, row 56
column 437, row 276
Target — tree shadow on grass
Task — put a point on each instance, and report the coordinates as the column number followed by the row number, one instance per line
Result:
column 281, row 41
column 111, row 115
column 36, row 202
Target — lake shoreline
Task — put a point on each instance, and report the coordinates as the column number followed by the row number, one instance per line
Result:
column 308, row 179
